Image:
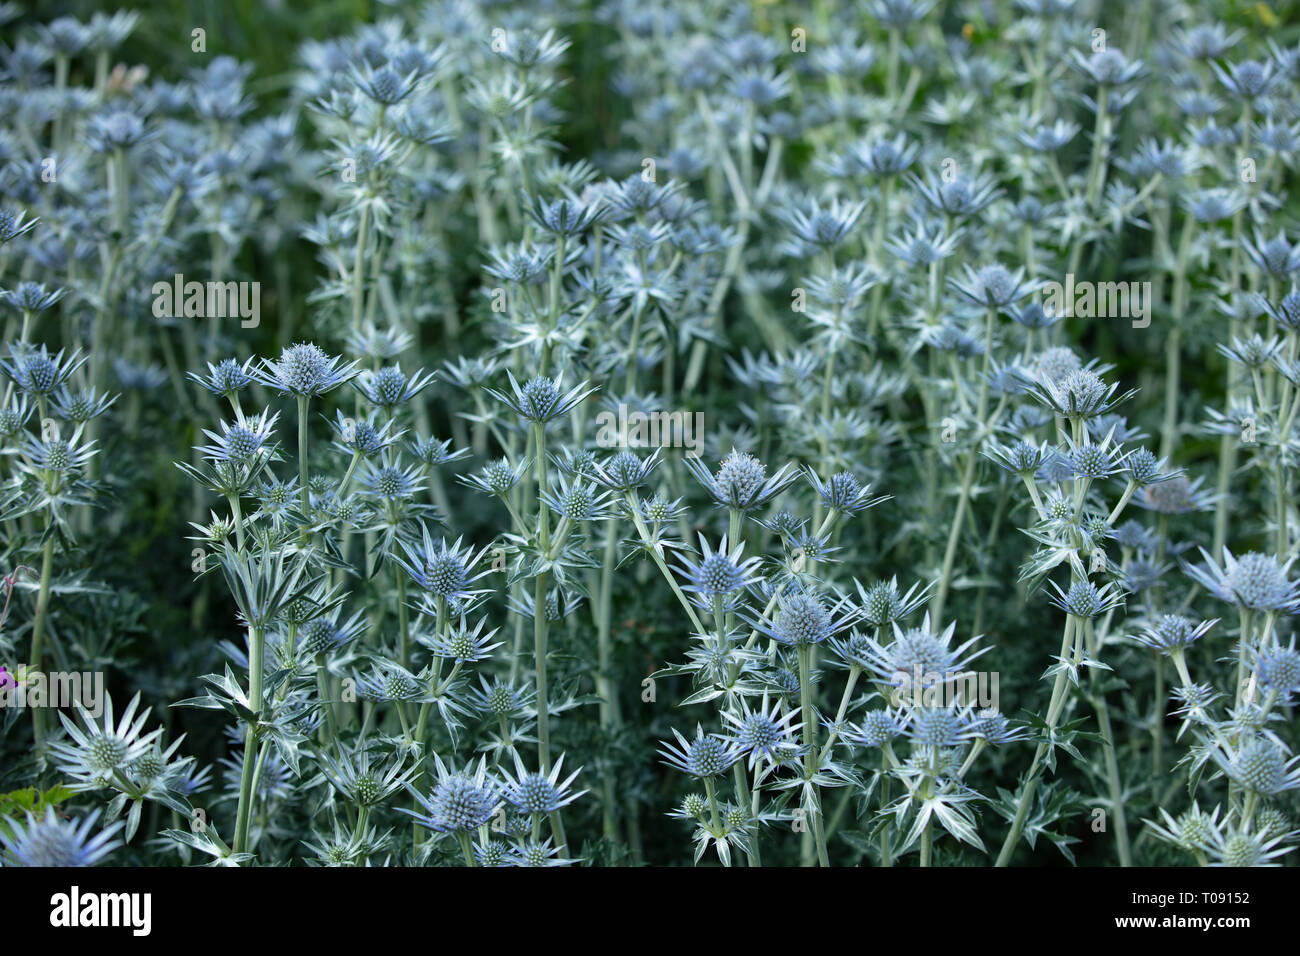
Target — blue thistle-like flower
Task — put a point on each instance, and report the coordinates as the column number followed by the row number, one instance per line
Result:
column 460, row 802
column 389, row 482
column 37, row 372
column 442, row 570
column 1262, row 767
column 708, row 755
column 764, row 733
column 718, row 574
column 938, row 727
column 1275, row 257
column 1173, row 632
column 390, row 387
column 49, row 841
column 1085, row 600
column 1277, row 669
column 877, row 728
column 541, row 400
column 741, row 481
column 993, row 286
column 227, row 378
column 326, row 633
column 1254, row 581
column 497, row 477
column 305, row 371
column 881, row 604
column 243, row 441
column 843, row 493
column 31, row 297
column 537, row 792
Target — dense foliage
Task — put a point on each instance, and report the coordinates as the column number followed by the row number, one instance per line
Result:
column 552, row 433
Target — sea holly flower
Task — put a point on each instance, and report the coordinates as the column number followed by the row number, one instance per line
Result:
column 442, row 570
column 541, row 400
column 625, row 471
column 390, row 682
column 1049, row 139
column 1277, row 669
column 1256, row 582
column 538, row 853
column 1246, row 79
column 938, row 726
column 1085, row 600
column 247, row 439
column 389, row 482
column 50, row 841
column 361, row 779
column 881, row 604
column 741, row 481
column 81, row 406
column 14, row 224
column 917, row 658
column 767, row 734
column 385, row 86
column 462, row 643
column 1193, row 831
column 432, row 452
column 1261, row 766
column 993, row 286
column 540, row 793
column 803, row 619
column 899, row 14
column 326, row 633
column 564, row 217
column 1173, row 632
column 1109, row 67
column 1247, row 849
column 1023, row 458
column 97, row 751
column 718, row 575
column 876, row 729
column 390, row 388
column 1079, row 394
column 461, row 800
column 227, row 378
column 825, row 227
column 706, row 757
column 37, row 372
column 31, row 297
column 1206, row 41
column 498, row 477
column 577, row 500
column 118, row 129
column 961, row 197
column 888, row 157
column 305, row 371
column 843, row 493
column 1275, row 257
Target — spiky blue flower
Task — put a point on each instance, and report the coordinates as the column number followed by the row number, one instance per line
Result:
column 460, row 802
column 51, row 841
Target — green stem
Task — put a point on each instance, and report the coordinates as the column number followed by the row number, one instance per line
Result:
column 38, row 635
column 244, row 812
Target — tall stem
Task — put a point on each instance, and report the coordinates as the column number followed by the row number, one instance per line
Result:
column 304, row 496
column 810, row 746
column 38, row 635
column 244, row 813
